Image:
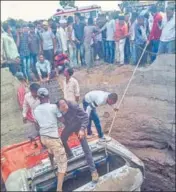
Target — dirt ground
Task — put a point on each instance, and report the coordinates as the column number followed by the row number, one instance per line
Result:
column 145, row 122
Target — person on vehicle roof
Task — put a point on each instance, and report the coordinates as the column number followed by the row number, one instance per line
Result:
column 76, row 121
column 46, row 116
column 92, row 100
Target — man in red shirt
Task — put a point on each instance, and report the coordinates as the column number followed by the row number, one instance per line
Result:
column 155, row 33
column 121, row 32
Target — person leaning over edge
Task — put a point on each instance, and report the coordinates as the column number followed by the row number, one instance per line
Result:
column 46, row 116
column 92, row 100
column 76, row 120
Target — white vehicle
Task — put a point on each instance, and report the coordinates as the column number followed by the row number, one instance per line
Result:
column 86, row 11
column 119, row 169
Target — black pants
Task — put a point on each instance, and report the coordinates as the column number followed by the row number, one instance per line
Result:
column 88, row 154
column 49, row 55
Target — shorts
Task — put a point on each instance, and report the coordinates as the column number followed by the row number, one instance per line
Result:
column 56, row 148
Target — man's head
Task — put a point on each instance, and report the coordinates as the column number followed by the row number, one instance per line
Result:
column 25, row 28
column 134, row 16
column 43, row 95
column 45, row 25
column 70, row 20
column 170, row 11
column 140, row 19
column 112, row 98
column 153, row 9
column 62, row 106
column 20, row 76
column 6, row 27
column 127, row 17
column 34, row 88
column 90, row 21
column 32, row 28
column 77, row 17
column 121, row 19
column 41, row 58
column 68, row 72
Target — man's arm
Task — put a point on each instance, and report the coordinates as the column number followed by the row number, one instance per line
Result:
column 38, row 71
column 76, row 91
column 54, row 41
column 82, row 116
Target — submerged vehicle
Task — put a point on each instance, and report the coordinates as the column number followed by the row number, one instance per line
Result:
column 27, row 167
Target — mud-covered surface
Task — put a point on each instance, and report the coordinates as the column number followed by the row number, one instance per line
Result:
column 145, row 123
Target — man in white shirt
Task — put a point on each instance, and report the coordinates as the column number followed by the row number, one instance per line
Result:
column 43, row 68
column 46, row 116
column 71, row 86
column 31, row 101
column 92, row 100
column 110, row 43
column 167, row 39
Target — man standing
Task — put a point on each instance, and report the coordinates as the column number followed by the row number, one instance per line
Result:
column 167, row 39
column 79, row 39
column 30, row 103
column 43, row 68
column 92, row 100
column 155, row 31
column 110, row 43
column 34, row 46
column 88, row 42
column 61, row 32
column 48, row 43
column 71, row 86
column 23, row 42
column 46, row 116
column 9, row 51
column 120, row 35
column 140, row 39
column 76, row 120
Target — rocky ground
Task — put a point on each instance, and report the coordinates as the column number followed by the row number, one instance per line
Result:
column 145, row 122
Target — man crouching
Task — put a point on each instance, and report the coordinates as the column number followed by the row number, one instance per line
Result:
column 46, row 115
column 76, row 121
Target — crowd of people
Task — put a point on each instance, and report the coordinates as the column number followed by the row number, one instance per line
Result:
column 43, row 46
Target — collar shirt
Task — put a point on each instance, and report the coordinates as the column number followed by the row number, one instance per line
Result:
column 168, row 29
column 71, row 89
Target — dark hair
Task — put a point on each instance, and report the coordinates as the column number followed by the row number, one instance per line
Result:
column 70, row 71
column 113, row 96
column 57, row 103
column 122, row 18
column 90, row 21
column 41, row 54
column 5, row 26
column 78, row 15
column 153, row 9
column 70, row 20
column 134, row 16
column 34, row 87
column 31, row 25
